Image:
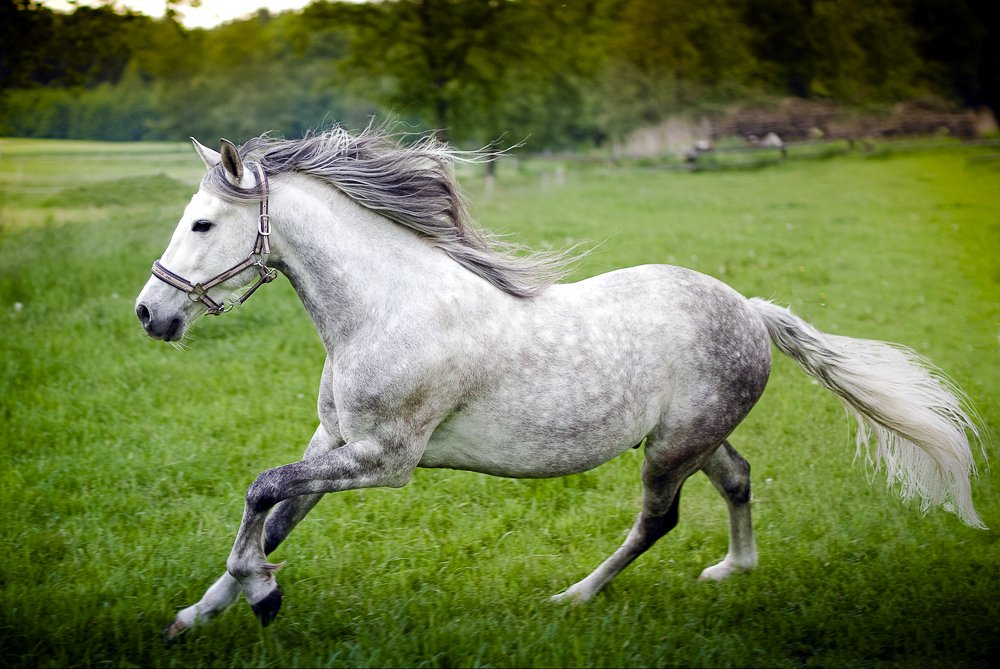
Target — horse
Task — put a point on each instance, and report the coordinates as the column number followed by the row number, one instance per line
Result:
column 448, row 347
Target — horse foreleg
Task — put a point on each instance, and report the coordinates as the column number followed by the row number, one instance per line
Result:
column 224, row 592
column 730, row 474
column 359, row 464
column 219, row 597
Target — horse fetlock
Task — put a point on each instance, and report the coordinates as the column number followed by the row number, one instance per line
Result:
column 239, row 569
column 260, row 583
column 246, row 570
column 575, row 594
column 727, row 568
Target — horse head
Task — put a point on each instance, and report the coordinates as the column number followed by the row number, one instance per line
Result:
column 212, row 253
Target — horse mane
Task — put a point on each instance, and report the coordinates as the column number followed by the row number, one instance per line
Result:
column 413, row 185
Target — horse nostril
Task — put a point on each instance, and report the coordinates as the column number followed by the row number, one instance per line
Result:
column 175, row 326
column 144, row 316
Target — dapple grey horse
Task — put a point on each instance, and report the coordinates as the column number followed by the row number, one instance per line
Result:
column 447, row 349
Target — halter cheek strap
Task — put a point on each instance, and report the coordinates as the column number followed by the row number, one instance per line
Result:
column 198, row 292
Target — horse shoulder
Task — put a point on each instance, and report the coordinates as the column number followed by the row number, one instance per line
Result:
column 413, row 368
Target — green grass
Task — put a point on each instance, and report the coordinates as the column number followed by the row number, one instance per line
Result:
column 125, row 460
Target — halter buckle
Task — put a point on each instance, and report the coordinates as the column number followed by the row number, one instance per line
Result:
column 196, row 293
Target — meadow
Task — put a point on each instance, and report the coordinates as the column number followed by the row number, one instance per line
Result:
column 125, row 459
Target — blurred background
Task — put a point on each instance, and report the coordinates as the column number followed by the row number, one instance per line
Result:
column 629, row 77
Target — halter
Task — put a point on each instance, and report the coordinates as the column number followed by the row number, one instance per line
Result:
column 198, row 292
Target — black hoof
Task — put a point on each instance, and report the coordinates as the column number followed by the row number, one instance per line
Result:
column 267, row 609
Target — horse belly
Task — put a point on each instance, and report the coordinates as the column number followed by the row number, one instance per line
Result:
column 527, row 447
column 565, row 410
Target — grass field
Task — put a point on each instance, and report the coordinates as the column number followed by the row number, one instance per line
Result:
column 125, row 460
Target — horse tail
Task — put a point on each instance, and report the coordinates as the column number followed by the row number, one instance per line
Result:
column 919, row 419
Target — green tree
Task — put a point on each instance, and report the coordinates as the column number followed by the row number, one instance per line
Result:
column 548, row 92
column 955, row 41
column 26, row 30
column 437, row 60
column 668, row 55
column 563, row 74
column 865, row 51
column 780, row 43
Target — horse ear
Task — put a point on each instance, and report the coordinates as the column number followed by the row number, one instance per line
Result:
column 208, row 156
column 232, row 162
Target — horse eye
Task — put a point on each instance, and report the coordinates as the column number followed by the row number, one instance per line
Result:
column 201, row 226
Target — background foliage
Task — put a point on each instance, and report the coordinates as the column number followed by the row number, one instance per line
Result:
column 569, row 74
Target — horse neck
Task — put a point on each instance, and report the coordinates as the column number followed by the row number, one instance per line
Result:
column 349, row 264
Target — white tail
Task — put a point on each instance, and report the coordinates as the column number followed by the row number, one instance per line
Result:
column 920, row 419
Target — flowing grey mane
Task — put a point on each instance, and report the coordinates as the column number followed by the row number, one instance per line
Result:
column 414, row 186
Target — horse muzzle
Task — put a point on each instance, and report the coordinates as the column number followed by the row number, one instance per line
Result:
column 160, row 327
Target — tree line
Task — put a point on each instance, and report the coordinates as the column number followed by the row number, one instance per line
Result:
column 567, row 74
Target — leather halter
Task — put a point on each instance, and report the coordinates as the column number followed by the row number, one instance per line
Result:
column 198, row 292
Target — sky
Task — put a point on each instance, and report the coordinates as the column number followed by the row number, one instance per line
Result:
column 210, row 13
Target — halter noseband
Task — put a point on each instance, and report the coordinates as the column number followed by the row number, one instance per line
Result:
column 198, row 292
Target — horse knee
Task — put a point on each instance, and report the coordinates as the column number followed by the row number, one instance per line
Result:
column 265, row 491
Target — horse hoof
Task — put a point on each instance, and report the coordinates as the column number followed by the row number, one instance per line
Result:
column 724, row 570
column 172, row 631
column 267, row 608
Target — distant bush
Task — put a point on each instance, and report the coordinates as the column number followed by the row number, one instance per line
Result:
column 107, row 112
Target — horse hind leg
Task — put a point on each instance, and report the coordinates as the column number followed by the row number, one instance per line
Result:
column 730, row 474
column 661, row 487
